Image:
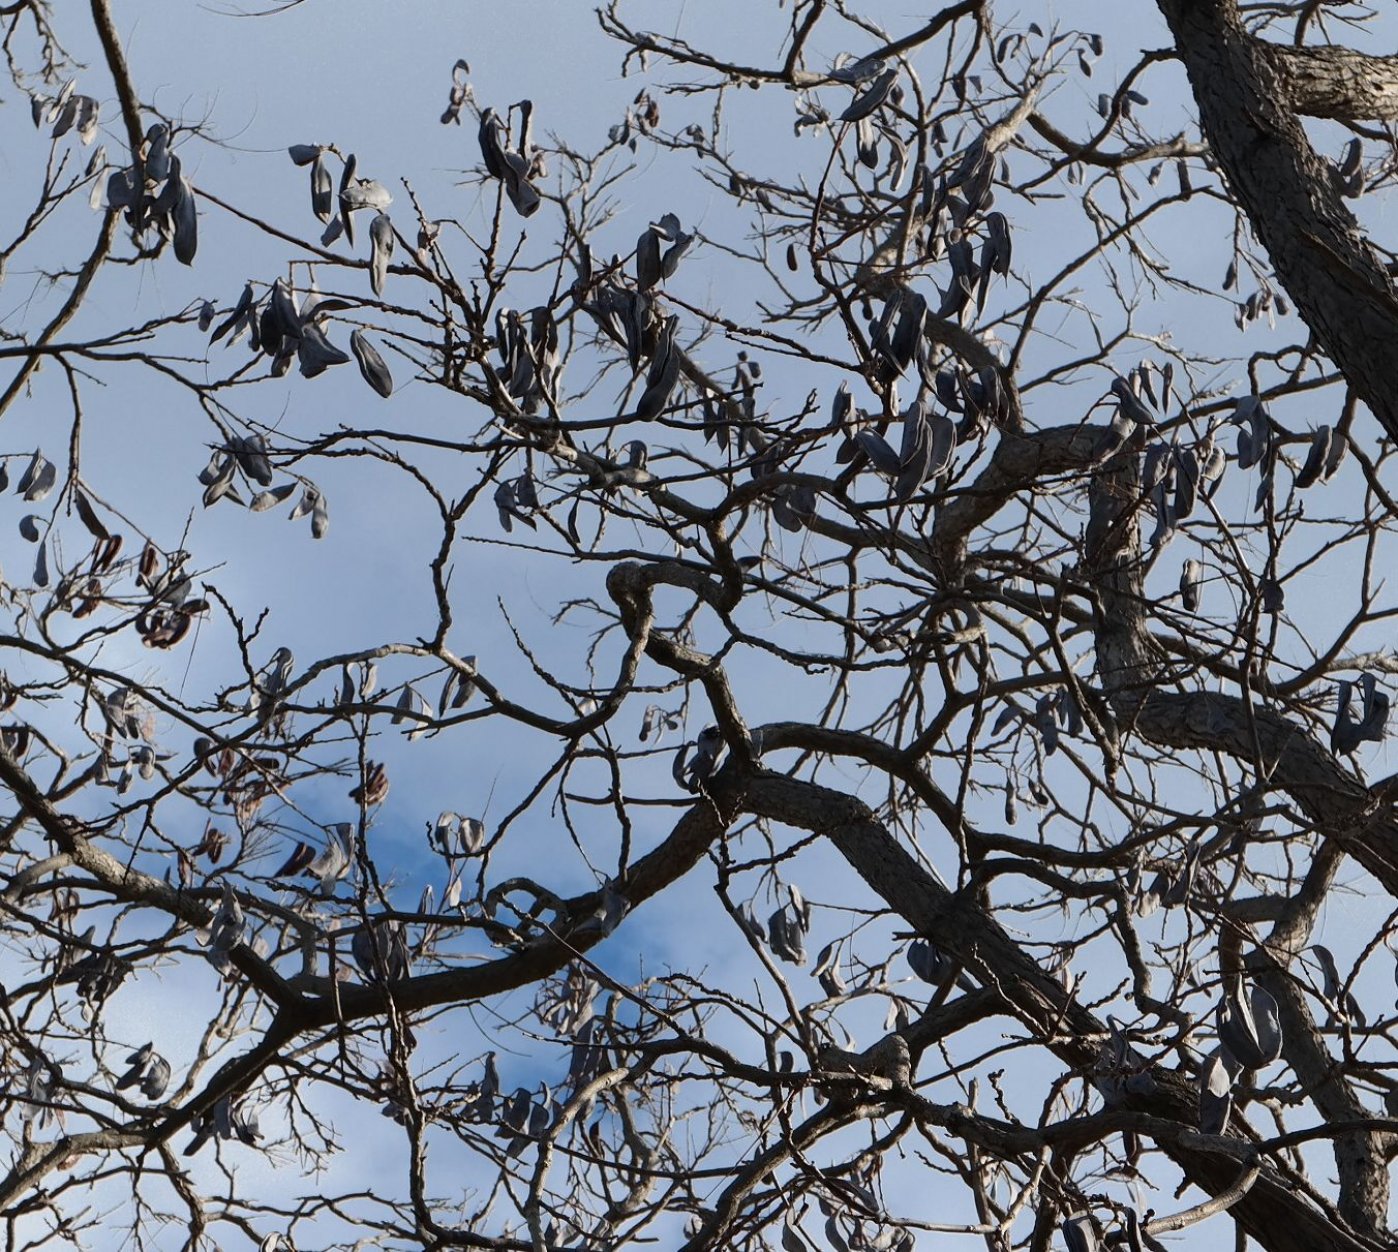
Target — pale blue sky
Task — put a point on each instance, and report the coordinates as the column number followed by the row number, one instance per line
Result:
column 372, row 78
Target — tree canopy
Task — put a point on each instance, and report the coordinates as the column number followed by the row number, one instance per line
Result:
column 785, row 643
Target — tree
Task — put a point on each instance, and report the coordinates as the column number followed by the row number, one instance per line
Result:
column 949, row 538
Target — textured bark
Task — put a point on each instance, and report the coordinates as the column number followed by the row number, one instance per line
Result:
column 1339, row 83
column 1289, row 195
column 1127, row 663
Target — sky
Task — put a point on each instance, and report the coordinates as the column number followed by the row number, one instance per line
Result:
column 372, row 78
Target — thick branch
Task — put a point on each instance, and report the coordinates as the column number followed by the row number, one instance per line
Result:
column 1360, row 1155
column 1273, row 1211
column 1290, row 197
column 1281, row 753
column 1019, row 462
column 1336, row 82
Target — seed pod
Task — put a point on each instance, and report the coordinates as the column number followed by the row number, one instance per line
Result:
column 916, row 458
column 371, row 364
column 381, row 242
column 1215, row 1094
column 1344, row 734
column 322, row 190
column 1250, row 1027
column 1079, row 1234
column 647, row 259
column 1254, row 434
column 1317, row 459
column 663, row 374
column 251, row 455
column 673, row 234
column 186, row 219
column 38, row 478
column 1373, row 718
column 871, row 96
column 879, row 451
column 1130, row 402
column 364, row 193
column 1186, row 481
column 157, row 160
column 316, row 353
column 1191, row 578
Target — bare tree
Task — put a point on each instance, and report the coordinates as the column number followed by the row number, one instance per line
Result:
column 908, row 642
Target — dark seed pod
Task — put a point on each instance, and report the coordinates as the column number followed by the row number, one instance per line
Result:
column 873, row 95
column 322, row 190
column 371, row 364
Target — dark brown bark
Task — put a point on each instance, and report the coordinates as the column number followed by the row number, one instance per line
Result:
column 1289, row 195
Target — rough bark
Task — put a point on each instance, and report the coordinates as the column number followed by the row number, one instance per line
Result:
column 1338, row 83
column 1289, row 193
column 1360, row 1156
column 1019, row 461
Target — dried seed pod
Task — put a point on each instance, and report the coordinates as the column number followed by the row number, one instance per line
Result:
column 663, row 374
column 873, row 95
column 316, row 353
column 1215, row 1094
column 322, row 190
column 1191, row 579
column 186, row 221
column 1317, row 459
column 381, row 241
column 1250, row 1026
column 371, row 364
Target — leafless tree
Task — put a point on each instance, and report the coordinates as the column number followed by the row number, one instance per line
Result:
column 917, row 808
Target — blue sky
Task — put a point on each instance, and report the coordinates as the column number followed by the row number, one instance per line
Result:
column 372, row 78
